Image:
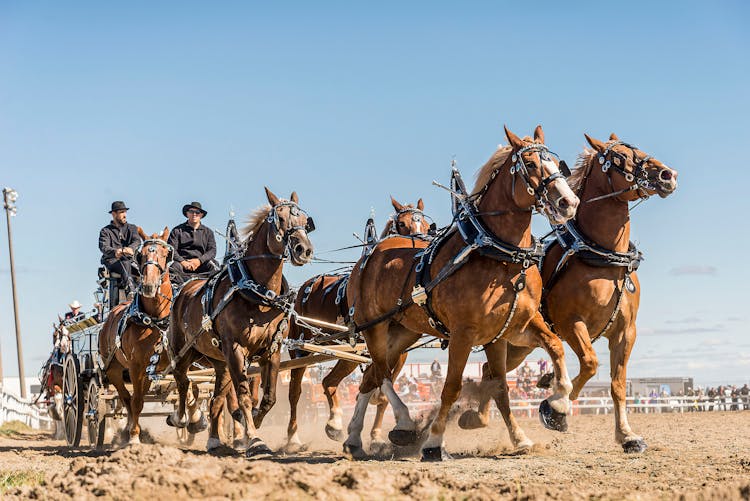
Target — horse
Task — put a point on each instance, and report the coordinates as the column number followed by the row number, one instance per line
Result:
column 485, row 280
column 51, row 376
column 134, row 330
column 591, row 288
column 323, row 297
column 241, row 313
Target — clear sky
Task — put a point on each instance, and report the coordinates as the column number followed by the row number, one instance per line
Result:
column 350, row 102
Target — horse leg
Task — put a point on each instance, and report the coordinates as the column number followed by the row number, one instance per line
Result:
column 480, row 418
column 235, row 358
column 553, row 410
column 377, row 445
column 620, row 347
column 115, row 377
column 269, row 378
column 177, row 418
column 218, row 401
column 580, row 342
column 334, row 425
column 497, row 359
column 353, row 443
column 141, row 385
column 255, row 382
column 458, row 355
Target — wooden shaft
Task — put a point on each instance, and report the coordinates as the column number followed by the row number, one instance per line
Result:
column 320, row 323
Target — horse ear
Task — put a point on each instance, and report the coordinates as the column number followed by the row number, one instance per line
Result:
column 595, row 143
column 165, row 233
column 539, row 134
column 514, row 140
column 613, row 137
column 272, row 199
column 142, row 234
column 420, row 204
column 396, row 205
column 293, row 197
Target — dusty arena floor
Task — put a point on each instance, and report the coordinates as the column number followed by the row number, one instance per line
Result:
column 691, row 456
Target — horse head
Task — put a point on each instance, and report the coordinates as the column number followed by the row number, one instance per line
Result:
column 542, row 184
column 408, row 219
column 289, row 228
column 632, row 174
column 153, row 258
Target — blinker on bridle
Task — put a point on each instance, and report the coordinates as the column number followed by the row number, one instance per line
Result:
column 540, row 193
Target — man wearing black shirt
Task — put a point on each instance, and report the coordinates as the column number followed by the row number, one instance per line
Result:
column 118, row 242
column 194, row 246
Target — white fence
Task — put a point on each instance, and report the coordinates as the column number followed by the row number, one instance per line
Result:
column 13, row 408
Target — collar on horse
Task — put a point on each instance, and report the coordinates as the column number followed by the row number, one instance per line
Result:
column 574, row 243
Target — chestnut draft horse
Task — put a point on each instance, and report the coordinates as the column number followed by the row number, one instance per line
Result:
column 474, row 284
column 240, row 314
column 591, row 289
column 133, row 331
column 323, row 297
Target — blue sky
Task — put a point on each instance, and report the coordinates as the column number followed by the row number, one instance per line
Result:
column 348, row 103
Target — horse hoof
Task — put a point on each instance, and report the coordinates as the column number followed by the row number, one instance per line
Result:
column 471, row 420
column 175, row 424
column 551, row 419
column 198, row 426
column 379, row 449
column 213, row 444
column 257, row 449
column 294, row 448
column 634, row 446
column 239, row 444
column 432, row 454
column 403, row 437
column 355, row 452
column 545, row 381
column 336, row 434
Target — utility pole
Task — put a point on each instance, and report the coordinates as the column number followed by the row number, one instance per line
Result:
column 10, row 196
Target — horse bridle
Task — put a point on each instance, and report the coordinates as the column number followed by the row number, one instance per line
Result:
column 639, row 175
column 285, row 236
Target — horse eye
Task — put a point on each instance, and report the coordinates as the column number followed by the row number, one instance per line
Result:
column 401, row 224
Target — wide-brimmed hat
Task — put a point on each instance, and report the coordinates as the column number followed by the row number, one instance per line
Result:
column 75, row 304
column 193, row 205
column 118, row 205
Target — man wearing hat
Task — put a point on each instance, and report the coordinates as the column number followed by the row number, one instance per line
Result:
column 75, row 310
column 194, row 246
column 118, row 242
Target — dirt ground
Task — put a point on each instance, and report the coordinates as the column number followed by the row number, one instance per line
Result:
column 690, row 456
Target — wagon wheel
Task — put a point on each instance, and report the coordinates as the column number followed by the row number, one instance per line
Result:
column 93, row 416
column 73, row 401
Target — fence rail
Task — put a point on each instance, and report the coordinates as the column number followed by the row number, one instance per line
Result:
column 13, row 408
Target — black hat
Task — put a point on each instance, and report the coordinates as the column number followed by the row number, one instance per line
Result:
column 118, row 205
column 193, row 205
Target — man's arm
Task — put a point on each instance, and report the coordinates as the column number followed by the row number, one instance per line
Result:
column 174, row 241
column 135, row 239
column 105, row 244
column 210, row 252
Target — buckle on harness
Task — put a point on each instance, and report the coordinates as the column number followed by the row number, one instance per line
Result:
column 206, row 323
column 419, row 295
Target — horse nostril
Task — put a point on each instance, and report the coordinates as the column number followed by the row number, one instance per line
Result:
column 563, row 203
column 308, row 252
column 665, row 175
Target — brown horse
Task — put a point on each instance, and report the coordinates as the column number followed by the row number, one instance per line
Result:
column 133, row 331
column 243, row 317
column 594, row 292
column 473, row 278
column 323, row 297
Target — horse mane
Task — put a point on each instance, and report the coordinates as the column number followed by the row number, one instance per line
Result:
column 387, row 229
column 496, row 160
column 254, row 220
column 580, row 170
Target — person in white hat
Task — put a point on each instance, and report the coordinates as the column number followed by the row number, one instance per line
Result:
column 75, row 310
